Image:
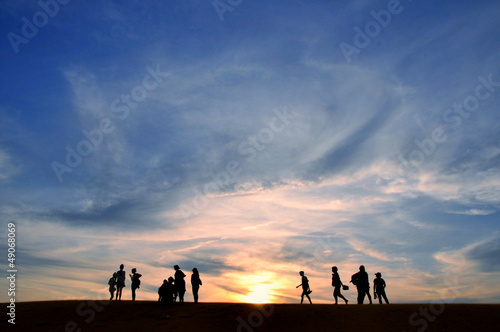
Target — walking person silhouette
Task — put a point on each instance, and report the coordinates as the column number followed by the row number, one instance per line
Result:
column 120, row 282
column 195, row 284
column 180, row 283
column 337, row 284
column 305, row 288
column 136, row 282
column 379, row 288
column 360, row 279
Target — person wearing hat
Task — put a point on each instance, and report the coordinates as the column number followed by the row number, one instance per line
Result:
column 180, row 283
column 379, row 288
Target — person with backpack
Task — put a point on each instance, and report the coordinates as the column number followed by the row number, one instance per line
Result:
column 112, row 283
column 360, row 279
column 136, row 282
column 120, row 282
column 306, row 290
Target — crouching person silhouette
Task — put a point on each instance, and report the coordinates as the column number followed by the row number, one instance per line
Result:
column 166, row 291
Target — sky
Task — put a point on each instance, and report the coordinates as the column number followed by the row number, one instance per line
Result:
column 251, row 140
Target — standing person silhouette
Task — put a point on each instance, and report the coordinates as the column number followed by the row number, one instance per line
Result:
column 362, row 283
column 195, row 284
column 136, row 282
column 120, row 282
column 112, row 283
column 337, row 284
column 379, row 288
column 305, row 288
column 180, row 283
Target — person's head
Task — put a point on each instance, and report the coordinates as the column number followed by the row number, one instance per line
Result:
column 134, row 270
column 176, row 267
column 301, row 273
column 195, row 271
column 362, row 268
column 170, row 279
column 114, row 275
column 378, row 274
column 334, row 269
column 122, row 266
column 165, row 281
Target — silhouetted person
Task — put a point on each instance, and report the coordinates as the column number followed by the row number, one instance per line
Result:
column 180, row 283
column 337, row 284
column 305, row 288
column 166, row 291
column 112, row 288
column 195, row 284
column 362, row 283
column 120, row 282
column 379, row 288
column 136, row 282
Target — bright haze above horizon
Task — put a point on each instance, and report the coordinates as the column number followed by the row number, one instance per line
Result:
column 252, row 140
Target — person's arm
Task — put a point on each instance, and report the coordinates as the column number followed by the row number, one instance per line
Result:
column 298, row 286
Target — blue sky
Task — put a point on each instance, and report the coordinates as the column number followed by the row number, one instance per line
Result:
column 155, row 133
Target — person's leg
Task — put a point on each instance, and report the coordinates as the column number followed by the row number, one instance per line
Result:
column 379, row 295
column 195, row 294
column 309, row 298
column 133, row 294
column 385, row 298
column 342, row 296
column 361, row 296
column 369, row 296
column 302, row 296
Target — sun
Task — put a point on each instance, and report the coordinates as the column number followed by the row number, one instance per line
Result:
column 259, row 294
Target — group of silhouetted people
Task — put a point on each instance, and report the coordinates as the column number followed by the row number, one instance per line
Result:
column 174, row 288
column 171, row 289
column 117, row 283
column 359, row 279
